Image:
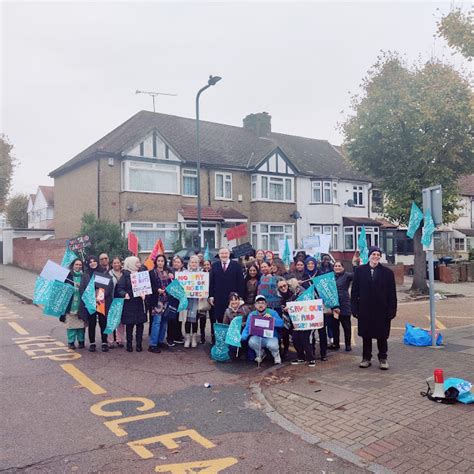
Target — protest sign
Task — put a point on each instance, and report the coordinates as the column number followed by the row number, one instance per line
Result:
column 362, row 246
column 68, row 258
column 285, row 249
column 416, row 216
column 242, row 250
column 307, row 294
column 220, row 350
column 428, row 229
column 141, row 284
column 133, row 244
column 195, row 284
column 114, row 316
column 79, row 243
column 234, row 332
column 317, row 243
column 236, row 232
column 42, row 289
column 267, row 287
column 262, row 326
column 52, row 271
column 176, row 290
column 88, row 297
column 306, row 314
column 101, row 279
column 327, row 289
column 58, row 299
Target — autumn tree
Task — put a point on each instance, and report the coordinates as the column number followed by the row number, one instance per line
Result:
column 6, row 169
column 16, row 211
column 412, row 128
column 457, row 28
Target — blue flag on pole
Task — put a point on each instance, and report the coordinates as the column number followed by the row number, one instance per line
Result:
column 220, row 350
column 88, row 297
column 206, row 253
column 234, row 332
column 362, row 245
column 58, row 299
column 326, row 287
column 114, row 316
column 428, row 229
column 42, row 289
column 68, row 258
column 307, row 294
column 416, row 216
column 286, row 257
column 176, row 290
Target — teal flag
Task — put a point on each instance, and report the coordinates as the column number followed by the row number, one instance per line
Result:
column 68, row 258
column 42, row 289
column 307, row 294
column 317, row 256
column 286, row 257
column 58, row 299
column 362, row 246
column 114, row 316
column 234, row 332
column 176, row 290
column 428, row 229
column 220, row 350
column 327, row 289
column 88, row 297
column 416, row 216
column 206, row 253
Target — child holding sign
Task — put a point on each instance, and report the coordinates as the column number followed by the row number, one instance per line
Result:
column 191, row 324
column 260, row 326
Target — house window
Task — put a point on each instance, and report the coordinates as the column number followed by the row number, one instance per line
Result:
column 316, row 191
column 332, row 230
column 349, row 238
column 189, row 182
column 272, row 188
column 266, row 236
column 148, row 233
column 377, row 201
column 327, row 192
column 358, row 195
column 459, row 244
column 372, row 235
column 323, row 192
column 223, row 186
column 151, row 177
column 335, row 238
column 334, row 192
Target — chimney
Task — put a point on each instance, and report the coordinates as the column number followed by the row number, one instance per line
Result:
column 260, row 124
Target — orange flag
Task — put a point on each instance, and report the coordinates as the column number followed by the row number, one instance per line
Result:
column 158, row 249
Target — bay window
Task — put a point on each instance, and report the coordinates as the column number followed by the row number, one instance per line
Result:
column 332, row 230
column 272, row 188
column 149, row 232
column 266, row 236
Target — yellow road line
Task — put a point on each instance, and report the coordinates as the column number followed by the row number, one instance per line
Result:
column 439, row 324
column 16, row 327
column 83, row 379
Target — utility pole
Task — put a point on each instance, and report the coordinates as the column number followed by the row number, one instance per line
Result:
column 153, row 95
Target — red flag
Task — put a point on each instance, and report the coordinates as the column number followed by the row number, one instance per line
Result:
column 236, row 232
column 158, row 249
column 133, row 243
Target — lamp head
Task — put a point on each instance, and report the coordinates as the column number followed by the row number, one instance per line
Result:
column 213, row 80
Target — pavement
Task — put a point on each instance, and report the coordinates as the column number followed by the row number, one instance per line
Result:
column 375, row 420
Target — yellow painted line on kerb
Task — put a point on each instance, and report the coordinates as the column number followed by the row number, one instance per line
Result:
column 83, row 379
column 16, row 327
column 439, row 324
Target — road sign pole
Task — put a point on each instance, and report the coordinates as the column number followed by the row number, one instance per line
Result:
column 432, row 298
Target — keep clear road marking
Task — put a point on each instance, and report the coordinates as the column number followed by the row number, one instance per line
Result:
column 83, row 379
column 16, row 327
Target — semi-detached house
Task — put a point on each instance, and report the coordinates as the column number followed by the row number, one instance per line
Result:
column 143, row 176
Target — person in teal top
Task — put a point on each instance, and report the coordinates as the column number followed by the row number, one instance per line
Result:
column 75, row 326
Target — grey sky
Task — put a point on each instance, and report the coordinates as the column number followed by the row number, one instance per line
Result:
column 70, row 70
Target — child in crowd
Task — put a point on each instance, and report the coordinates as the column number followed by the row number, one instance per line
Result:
column 191, row 324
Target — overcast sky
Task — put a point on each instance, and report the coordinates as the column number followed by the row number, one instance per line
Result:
column 70, row 69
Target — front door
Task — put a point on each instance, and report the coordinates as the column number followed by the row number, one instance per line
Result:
column 208, row 237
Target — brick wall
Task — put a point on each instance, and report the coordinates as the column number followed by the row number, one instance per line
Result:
column 32, row 254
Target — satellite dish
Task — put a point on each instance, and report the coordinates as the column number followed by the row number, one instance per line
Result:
column 295, row 215
column 350, row 203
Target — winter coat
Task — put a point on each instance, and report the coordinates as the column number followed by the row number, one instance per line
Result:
column 374, row 300
column 250, row 291
column 155, row 300
column 222, row 283
column 230, row 314
column 343, row 282
column 109, row 293
column 134, row 308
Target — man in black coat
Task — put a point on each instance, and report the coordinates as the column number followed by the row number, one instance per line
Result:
column 226, row 277
column 374, row 304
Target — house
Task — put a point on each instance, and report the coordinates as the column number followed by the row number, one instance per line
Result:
column 41, row 208
column 143, row 176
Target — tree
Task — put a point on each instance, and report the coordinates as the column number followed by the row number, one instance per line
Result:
column 16, row 211
column 7, row 163
column 412, row 128
column 457, row 28
column 104, row 236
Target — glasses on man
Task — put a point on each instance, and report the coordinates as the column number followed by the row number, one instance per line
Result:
column 280, row 287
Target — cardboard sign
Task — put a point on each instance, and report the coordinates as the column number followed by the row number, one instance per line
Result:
column 242, row 250
column 262, row 326
column 306, row 315
column 79, row 243
column 236, row 232
column 317, row 243
column 52, row 271
column 101, row 280
column 141, row 284
column 59, row 296
column 195, row 284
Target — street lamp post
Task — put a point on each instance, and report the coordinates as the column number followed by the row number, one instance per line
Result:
column 213, row 80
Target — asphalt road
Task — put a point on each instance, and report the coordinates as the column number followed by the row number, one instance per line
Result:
column 134, row 412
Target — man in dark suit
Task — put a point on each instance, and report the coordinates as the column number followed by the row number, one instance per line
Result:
column 226, row 277
column 374, row 304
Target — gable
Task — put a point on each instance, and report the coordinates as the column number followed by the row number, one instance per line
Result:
column 276, row 163
column 40, row 201
column 152, row 146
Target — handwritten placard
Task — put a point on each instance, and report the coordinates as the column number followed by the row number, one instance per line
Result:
column 195, row 284
column 141, row 284
column 306, row 315
column 262, row 326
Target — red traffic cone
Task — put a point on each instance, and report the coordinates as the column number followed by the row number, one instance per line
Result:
column 438, row 384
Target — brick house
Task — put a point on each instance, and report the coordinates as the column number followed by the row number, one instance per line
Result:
column 143, row 176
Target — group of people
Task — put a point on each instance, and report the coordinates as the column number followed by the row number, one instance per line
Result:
column 259, row 286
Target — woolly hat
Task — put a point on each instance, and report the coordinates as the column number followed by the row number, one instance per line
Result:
column 373, row 249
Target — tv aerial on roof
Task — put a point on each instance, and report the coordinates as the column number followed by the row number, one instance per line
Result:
column 153, row 94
